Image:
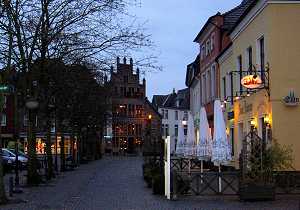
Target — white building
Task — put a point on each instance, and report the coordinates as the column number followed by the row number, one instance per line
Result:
column 193, row 83
column 174, row 108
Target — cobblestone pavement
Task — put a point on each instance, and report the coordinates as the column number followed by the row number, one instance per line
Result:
column 115, row 183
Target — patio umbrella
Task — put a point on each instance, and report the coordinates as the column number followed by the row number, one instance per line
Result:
column 190, row 140
column 221, row 153
column 189, row 148
column 180, row 140
column 204, row 145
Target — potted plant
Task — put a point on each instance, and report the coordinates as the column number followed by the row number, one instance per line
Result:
column 258, row 182
column 158, row 183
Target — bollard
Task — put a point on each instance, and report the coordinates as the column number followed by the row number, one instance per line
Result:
column 11, row 186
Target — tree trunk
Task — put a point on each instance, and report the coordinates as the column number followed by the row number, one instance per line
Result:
column 62, row 153
column 33, row 176
column 50, row 172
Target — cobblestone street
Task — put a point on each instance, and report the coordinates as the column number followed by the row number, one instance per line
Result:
column 115, row 183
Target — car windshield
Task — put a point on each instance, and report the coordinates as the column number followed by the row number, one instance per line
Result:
column 19, row 153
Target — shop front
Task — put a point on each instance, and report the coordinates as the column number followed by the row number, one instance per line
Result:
column 252, row 112
column 56, row 144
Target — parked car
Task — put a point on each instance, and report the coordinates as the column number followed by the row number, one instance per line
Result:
column 9, row 154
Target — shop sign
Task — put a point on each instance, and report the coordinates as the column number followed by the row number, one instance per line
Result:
column 291, row 99
column 251, row 81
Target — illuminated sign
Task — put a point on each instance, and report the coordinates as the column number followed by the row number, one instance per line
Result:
column 251, row 81
column 291, row 99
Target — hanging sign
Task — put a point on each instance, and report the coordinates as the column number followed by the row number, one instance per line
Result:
column 291, row 99
column 251, row 81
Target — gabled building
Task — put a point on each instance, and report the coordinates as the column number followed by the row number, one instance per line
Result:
column 203, row 75
column 264, row 47
column 174, row 109
column 130, row 110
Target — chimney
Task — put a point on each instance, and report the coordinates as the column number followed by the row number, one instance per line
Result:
column 174, row 91
column 124, row 60
column 144, row 82
column 111, row 70
column 118, row 60
column 131, row 62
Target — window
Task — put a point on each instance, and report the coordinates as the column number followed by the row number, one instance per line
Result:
column 166, row 114
column 176, row 115
column 240, row 69
column 208, row 85
column 213, row 83
column 203, row 51
column 176, row 130
column 4, row 101
column 262, row 57
column 167, row 129
column 3, row 119
column 185, row 129
column 224, row 87
column 203, row 84
column 212, row 42
column 207, row 47
column 163, row 113
column 116, row 90
column 126, row 79
column 25, row 120
column 249, row 52
column 185, row 116
column 163, row 129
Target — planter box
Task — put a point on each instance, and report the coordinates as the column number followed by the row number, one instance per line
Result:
column 257, row 192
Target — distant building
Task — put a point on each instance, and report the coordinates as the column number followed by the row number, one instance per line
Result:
column 131, row 110
column 174, row 109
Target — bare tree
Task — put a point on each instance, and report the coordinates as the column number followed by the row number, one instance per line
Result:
column 69, row 30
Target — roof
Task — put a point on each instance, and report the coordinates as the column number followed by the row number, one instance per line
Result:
column 152, row 107
column 246, row 6
column 181, row 98
column 158, row 100
column 194, row 66
column 231, row 18
column 205, row 26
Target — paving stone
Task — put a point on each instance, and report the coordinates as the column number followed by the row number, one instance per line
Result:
column 116, row 183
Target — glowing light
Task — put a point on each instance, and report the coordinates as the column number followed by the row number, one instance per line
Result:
column 253, row 122
column 149, row 116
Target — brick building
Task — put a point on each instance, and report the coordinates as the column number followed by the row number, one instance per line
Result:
column 131, row 110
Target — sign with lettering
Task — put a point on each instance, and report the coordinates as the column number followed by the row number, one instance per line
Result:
column 251, row 81
column 291, row 99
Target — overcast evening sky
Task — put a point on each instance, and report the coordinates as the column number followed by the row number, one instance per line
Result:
column 174, row 24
